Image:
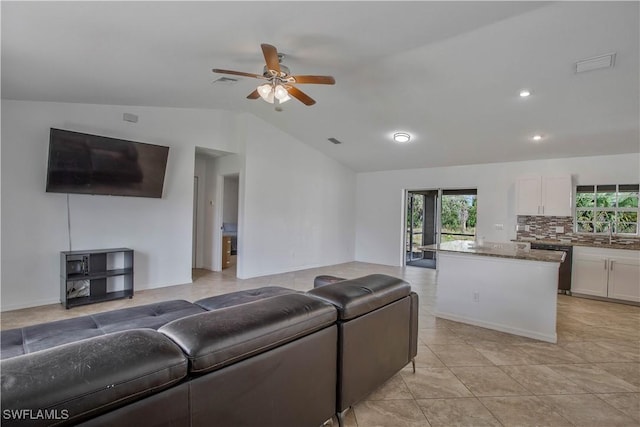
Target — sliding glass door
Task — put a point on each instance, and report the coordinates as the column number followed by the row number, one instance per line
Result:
column 435, row 216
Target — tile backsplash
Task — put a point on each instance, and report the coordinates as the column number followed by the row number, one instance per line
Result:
column 561, row 228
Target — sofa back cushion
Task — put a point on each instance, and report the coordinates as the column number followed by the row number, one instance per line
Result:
column 79, row 380
column 242, row 297
column 356, row 297
column 221, row 337
column 15, row 342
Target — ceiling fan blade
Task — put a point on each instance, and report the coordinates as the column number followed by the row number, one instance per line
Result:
column 319, row 80
column 238, row 73
column 254, row 95
column 300, row 95
column 271, row 57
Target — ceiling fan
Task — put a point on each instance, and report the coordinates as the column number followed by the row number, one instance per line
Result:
column 280, row 83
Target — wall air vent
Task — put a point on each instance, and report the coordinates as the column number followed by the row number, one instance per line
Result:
column 335, row 141
column 128, row 117
column 596, row 63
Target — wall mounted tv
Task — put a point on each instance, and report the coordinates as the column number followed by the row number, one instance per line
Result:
column 90, row 164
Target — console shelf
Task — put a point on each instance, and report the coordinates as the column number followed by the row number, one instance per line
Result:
column 98, row 275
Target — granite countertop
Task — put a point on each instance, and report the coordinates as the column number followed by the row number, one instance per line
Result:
column 515, row 250
column 628, row 246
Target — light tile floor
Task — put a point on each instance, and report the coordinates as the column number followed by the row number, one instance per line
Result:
column 465, row 376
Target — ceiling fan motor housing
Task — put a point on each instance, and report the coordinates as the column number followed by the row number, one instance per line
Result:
column 283, row 68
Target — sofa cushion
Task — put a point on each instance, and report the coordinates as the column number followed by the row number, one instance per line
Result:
column 325, row 279
column 221, row 337
column 145, row 316
column 242, row 297
column 88, row 377
column 359, row 296
column 14, row 342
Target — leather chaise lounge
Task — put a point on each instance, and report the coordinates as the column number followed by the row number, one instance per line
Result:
column 265, row 357
column 377, row 333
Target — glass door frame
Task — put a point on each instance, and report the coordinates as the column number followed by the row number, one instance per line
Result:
column 405, row 230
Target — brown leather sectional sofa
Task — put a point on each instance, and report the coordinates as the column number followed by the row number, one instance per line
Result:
column 265, row 357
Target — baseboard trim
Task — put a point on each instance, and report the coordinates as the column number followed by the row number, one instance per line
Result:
column 605, row 299
column 552, row 338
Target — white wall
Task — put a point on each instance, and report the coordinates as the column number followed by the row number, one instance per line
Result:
column 299, row 208
column 34, row 223
column 296, row 206
column 230, row 206
column 380, row 196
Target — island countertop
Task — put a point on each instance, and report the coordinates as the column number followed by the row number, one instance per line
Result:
column 501, row 250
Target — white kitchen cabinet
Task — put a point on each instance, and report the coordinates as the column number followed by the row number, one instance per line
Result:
column 610, row 273
column 544, row 195
column 589, row 273
column 624, row 278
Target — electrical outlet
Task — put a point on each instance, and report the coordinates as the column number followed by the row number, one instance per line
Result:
column 476, row 296
column 527, row 228
column 560, row 229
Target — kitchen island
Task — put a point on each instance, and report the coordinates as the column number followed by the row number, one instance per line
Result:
column 507, row 287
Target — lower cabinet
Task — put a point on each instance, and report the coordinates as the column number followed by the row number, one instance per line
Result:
column 609, row 273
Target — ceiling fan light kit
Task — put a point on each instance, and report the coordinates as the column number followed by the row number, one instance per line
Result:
column 280, row 84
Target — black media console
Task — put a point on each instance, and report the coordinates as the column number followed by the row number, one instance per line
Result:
column 95, row 276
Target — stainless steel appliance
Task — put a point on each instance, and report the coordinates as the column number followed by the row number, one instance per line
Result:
column 564, row 275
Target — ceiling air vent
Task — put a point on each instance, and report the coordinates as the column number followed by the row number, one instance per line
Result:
column 335, row 141
column 226, row 80
column 596, row 63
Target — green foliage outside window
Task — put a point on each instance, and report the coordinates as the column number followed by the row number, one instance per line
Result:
column 607, row 208
column 459, row 214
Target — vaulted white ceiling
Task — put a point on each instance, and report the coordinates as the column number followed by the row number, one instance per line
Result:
column 447, row 72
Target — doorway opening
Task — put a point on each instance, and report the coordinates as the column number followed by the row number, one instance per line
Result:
column 230, row 220
column 216, row 187
column 435, row 216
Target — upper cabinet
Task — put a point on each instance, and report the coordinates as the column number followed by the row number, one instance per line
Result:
column 544, row 195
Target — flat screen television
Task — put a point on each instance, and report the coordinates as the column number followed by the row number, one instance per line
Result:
column 89, row 164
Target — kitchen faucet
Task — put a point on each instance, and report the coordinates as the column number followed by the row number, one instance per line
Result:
column 610, row 231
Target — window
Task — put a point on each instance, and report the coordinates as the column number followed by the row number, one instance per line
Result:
column 458, row 215
column 607, row 208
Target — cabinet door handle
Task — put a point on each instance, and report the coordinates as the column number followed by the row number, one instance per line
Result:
column 611, row 265
column 606, row 267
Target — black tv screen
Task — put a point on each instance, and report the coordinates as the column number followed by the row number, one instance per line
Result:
column 91, row 164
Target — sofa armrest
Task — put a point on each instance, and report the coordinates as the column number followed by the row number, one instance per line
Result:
column 413, row 337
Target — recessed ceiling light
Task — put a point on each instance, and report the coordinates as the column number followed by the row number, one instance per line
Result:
column 524, row 93
column 537, row 137
column 401, row 137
